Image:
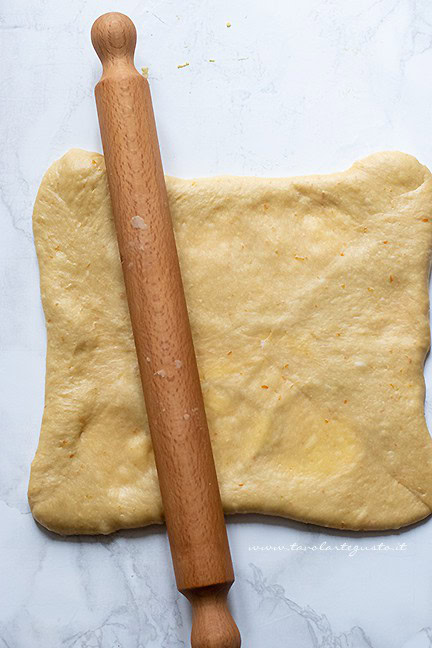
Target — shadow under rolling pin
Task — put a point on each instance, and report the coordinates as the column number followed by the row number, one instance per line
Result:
column 160, row 324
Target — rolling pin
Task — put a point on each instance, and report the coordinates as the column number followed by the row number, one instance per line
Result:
column 163, row 340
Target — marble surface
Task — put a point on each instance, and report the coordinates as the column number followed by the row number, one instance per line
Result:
column 295, row 87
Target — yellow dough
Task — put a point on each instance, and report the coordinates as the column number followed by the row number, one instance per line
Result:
column 309, row 309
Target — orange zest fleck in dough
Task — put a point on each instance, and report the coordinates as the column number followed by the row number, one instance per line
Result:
column 264, row 386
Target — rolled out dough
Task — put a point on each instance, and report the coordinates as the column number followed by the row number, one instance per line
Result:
column 309, row 308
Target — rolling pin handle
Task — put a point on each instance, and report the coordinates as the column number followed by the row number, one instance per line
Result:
column 212, row 623
column 114, row 38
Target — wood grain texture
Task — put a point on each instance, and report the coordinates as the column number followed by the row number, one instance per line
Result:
column 160, row 323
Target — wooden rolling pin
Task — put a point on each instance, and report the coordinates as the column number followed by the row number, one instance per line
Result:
column 160, row 324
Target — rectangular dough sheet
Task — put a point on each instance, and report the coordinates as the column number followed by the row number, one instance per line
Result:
column 309, row 309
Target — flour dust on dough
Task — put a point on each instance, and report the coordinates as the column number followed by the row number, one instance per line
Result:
column 309, row 309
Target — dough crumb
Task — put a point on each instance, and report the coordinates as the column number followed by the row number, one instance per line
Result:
column 178, row 364
column 228, row 25
column 212, row 60
column 138, row 223
column 161, row 373
column 183, row 65
column 145, row 72
column 186, row 416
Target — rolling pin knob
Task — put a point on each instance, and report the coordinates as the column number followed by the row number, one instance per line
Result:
column 212, row 623
column 114, row 37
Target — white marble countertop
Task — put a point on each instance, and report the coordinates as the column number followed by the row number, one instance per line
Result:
column 295, row 87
